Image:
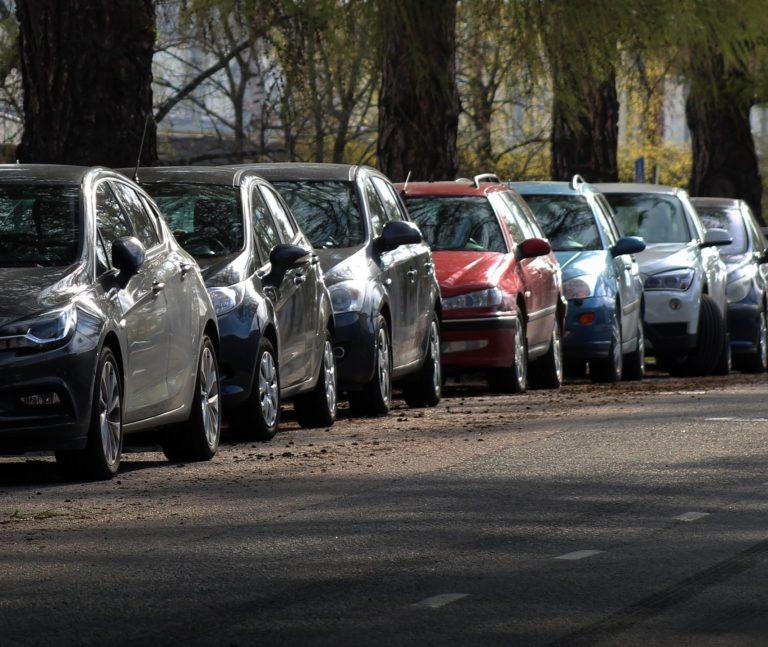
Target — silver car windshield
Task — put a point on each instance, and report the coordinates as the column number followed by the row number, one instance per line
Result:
column 567, row 221
column 730, row 219
column 206, row 219
column 655, row 218
column 40, row 225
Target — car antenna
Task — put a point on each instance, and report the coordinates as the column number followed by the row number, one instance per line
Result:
column 141, row 148
column 405, row 184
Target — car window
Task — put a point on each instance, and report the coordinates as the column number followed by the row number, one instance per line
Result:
column 758, row 239
column 509, row 211
column 136, row 210
column 283, row 221
column 605, row 220
column 206, row 219
column 327, row 212
column 567, row 220
column 265, row 235
column 112, row 223
column 655, row 218
column 376, row 209
column 389, row 198
column 457, row 223
column 609, row 217
column 729, row 219
column 39, row 224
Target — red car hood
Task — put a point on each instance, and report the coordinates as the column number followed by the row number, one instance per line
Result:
column 460, row 272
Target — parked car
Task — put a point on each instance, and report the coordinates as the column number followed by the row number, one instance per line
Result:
column 274, row 310
column 380, row 274
column 105, row 325
column 746, row 260
column 499, row 281
column 601, row 279
column 683, row 277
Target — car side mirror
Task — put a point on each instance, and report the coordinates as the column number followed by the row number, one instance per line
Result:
column 628, row 245
column 127, row 257
column 396, row 233
column 532, row 247
column 716, row 238
column 283, row 258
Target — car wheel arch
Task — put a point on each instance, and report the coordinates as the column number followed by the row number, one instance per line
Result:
column 112, row 342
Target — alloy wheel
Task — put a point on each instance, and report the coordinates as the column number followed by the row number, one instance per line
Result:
column 382, row 351
column 209, row 396
column 268, row 389
column 110, row 423
column 329, row 370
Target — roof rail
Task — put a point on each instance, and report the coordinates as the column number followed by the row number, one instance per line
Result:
column 576, row 180
column 485, row 177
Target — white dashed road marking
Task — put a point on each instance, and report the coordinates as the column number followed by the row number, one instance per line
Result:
column 691, row 516
column 736, row 419
column 437, row 601
column 579, row 554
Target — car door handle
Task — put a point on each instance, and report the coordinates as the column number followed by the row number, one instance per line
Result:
column 412, row 273
column 157, row 286
column 314, row 259
column 185, row 267
column 429, row 266
column 298, row 279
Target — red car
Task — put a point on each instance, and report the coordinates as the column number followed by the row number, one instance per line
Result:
column 499, row 281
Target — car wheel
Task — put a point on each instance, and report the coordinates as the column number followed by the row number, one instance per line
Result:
column 609, row 369
column 318, row 407
column 634, row 364
column 197, row 439
column 100, row 459
column 758, row 361
column 426, row 387
column 547, row 372
column 724, row 362
column 259, row 417
column 710, row 335
column 374, row 398
column 515, row 378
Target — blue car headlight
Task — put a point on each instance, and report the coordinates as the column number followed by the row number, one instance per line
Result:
column 44, row 332
column 226, row 299
column 347, row 296
column 580, row 287
column 739, row 284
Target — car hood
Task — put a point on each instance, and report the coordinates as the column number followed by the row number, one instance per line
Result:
column 460, row 272
column 28, row 291
column 344, row 264
column 657, row 257
column 583, row 262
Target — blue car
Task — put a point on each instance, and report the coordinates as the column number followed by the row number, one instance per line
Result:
column 601, row 279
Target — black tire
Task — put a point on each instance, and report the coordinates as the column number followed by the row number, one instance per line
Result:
column 375, row 397
column 100, row 460
column 724, row 362
column 198, row 438
column 634, row 362
column 318, row 407
column 515, row 378
column 710, row 336
column 547, row 372
column 609, row 369
column 426, row 387
column 259, row 417
column 756, row 362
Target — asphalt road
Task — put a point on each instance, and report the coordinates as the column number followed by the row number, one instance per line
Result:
column 629, row 515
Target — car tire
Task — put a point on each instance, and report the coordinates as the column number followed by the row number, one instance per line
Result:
column 634, row 362
column 259, row 417
column 547, row 372
column 756, row 362
column 375, row 397
column 100, row 460
column 318, row 407
column 515, row 378
column 711, row 334
column 724, row 362
column 198, row 438
column 426, row 387
column 609, row 369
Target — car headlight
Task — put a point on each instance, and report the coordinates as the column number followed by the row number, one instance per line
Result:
column 580, row 287
column 481, row 299
column 347, row 296
column 671, row 280
column 226, row 299
column 739, row 284
column 44, row 332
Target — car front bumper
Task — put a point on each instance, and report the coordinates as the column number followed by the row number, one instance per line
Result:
column 354, row 349
column 588, row 340
column 671, row 319
column 478, row 343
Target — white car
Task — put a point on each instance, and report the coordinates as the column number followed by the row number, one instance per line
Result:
column 683, row 276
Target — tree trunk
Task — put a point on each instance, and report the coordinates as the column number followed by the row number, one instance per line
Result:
column 87, row 72
column 724, row 160
column 585, row 127
column 419, row 103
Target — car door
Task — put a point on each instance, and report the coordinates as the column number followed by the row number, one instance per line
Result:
column 144, row 315
column 297, row 302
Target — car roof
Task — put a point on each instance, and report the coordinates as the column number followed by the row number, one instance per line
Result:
column 632, row 187
column 44, row 173
column 229, row 176
column 297, row 171
column 447, row 188
column 731, row 203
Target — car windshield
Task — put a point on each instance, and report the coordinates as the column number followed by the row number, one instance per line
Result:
column 655, row 218
column 730, row 219
column 39, row 225
column 567, row 220
column 457, row 223
column 327, row 212
column 206, row 219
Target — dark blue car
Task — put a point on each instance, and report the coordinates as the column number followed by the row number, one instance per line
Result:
column 601, row 279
